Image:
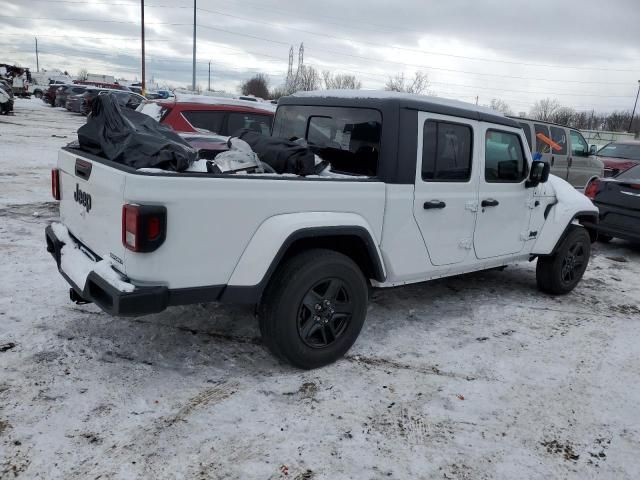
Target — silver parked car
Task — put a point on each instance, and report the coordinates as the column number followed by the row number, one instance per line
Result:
column 570, row 158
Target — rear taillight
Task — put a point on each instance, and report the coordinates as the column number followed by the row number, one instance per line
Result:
column 144, row 227
column 592, row 189
column 55, row 183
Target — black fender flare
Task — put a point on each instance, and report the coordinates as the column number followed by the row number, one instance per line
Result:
column 252, row 294
column 586, row 218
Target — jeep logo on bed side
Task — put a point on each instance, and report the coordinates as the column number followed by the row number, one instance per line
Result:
column 83, row 198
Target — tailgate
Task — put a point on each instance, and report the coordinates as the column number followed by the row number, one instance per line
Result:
column 91, row 198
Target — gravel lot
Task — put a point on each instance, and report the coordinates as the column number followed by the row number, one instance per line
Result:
column 473, row 377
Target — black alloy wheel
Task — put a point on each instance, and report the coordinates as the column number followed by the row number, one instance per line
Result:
column 572, row 262
column 324, row 313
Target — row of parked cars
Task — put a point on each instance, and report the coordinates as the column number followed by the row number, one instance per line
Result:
column 79, row 98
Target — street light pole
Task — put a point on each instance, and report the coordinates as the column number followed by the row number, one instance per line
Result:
column 37, row 59
column 209, row 87
column 634, row 107
column 193, row 80
column 144, row 85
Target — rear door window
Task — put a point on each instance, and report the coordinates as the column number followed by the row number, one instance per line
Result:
column 446, row 152
column 559, row 135
column 541, row 145
column 251, row 121
column 208, row 120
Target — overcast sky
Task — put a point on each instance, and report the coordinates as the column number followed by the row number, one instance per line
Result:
column 585, row 53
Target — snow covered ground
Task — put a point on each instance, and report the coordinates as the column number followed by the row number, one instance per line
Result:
column 479, row 376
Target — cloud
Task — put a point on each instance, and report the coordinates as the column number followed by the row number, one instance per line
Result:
column 517, row 51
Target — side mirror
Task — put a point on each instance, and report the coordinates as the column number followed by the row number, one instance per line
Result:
column 593, row 150
column 539, row 174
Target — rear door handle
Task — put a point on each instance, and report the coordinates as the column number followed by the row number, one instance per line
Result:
column 489, row 202
column 434, row 204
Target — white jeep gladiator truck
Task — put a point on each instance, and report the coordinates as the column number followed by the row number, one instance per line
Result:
column 430, row 188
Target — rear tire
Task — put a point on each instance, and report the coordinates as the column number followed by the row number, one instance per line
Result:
column 313, row 308
column 37, row 94
column 560, row 273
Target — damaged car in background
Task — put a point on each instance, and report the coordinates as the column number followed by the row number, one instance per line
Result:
column 352, row 191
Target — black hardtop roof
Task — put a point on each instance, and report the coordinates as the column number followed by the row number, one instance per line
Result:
column 385, row 100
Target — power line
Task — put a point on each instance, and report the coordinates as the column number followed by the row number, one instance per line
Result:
column 327, row 51
column 324, row 35
column 174, row 60
column 93, row 20
column 243, row 35
column 90, row 37
column 365, row 73
column 413, row 50
column 362, row 57
column 356, row 56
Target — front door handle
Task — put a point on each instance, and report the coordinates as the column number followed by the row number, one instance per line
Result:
column 489, row 202
column 434, row 204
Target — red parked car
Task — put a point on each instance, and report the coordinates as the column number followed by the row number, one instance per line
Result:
column 619, row 156
column 222, row 116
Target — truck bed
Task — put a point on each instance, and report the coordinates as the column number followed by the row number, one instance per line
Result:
column 211, row 218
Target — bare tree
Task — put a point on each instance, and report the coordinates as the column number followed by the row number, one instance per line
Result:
column 258, row 86
column 563, row 115
column 418, row 85
column 340, row 81
column 83, row 74
column 501, row 106
column 307, row 79
column 617, row 121
column 580, row 120
column 544, row 109
column 278, row 92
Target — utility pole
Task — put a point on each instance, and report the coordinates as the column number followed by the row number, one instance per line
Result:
column 193, row 81
column 477, row 98
column 37, row 59
column 634, row 107
column 209, row 86
column 144, row 84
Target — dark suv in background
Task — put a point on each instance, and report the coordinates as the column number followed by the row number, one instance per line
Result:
column 64, row 91
column 129, row 100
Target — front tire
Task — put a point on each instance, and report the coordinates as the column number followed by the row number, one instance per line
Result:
column 560, row 273
column 314, row 308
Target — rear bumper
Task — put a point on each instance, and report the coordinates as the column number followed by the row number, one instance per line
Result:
column 142, row 300
column 618, row 222
column 615, row 231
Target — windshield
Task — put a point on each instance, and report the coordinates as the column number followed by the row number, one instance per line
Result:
column 621, row 150
column 632, row 174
